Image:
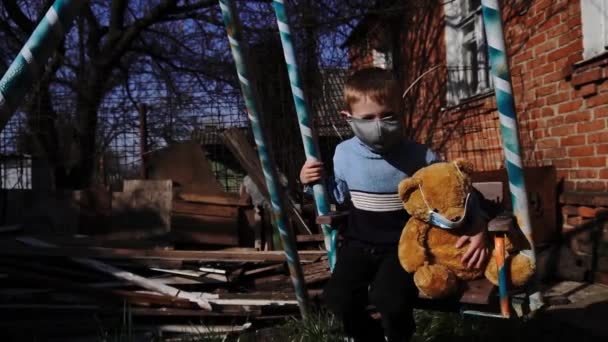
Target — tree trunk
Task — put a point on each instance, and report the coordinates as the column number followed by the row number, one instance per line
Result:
column 87, row 106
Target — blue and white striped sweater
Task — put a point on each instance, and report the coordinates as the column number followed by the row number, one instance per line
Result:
column 368, row 182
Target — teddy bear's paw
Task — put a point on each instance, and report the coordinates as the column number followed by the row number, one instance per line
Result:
column 491, row 272
column 520, row 268
column 435, row 281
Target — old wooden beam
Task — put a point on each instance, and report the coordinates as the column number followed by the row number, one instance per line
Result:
column 211, row 199
column 240, row 147
column 183, row 255
column 130, row 277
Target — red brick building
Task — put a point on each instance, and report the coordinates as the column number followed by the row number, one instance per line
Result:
column 559, row 66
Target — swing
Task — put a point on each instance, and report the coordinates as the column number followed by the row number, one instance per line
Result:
column 480, row 293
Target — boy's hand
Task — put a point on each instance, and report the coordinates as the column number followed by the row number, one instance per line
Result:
column 311, row 172
column 478, row 250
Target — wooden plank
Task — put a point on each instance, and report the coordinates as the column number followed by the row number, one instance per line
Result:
column 202, row 277
column 259, row 270
column 204, row 209
column 117, row 296
column 213, row 230
column 197, row 330
column 218, row 312
column 113, row 241
column 478, row 291
column 310, row 238
column 253, row 299
column 169, row 280
column 130, row 277
column 211, row 199
column 183, row 255
column 240, row 147
column 236, row 141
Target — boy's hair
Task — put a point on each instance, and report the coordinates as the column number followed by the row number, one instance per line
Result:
column 378, row 84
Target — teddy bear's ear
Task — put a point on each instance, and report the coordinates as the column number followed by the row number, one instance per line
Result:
column 464, row 165
column 407, row 187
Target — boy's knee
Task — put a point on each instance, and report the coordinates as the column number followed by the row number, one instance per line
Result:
column 341, row 301
column 337, row 302
column 390, row 304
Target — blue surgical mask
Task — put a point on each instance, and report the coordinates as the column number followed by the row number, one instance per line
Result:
column 441, row 221
column 378, row 134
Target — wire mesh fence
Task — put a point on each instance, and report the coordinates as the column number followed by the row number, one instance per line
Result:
column 201, row 117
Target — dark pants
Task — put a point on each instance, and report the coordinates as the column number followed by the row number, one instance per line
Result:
column 371, row 275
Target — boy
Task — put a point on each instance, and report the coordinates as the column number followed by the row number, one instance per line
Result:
column 368, row 169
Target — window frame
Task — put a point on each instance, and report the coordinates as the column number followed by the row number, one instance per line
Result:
column 459, row 19
column 594, row 12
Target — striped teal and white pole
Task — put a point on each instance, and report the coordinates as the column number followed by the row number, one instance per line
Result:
column 508, row 122
column 232, row 24
column 305, row 120
column 30, row 61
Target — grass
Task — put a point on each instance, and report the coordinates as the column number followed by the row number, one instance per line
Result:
column 322, row 326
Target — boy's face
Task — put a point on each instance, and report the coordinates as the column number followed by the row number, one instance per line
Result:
column 377, row 125
column 369, row 109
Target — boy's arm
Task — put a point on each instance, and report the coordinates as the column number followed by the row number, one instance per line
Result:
column 336, row 189
column 336, row 186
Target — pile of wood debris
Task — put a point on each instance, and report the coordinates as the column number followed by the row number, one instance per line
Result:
column 71, row 285
column 170, row 253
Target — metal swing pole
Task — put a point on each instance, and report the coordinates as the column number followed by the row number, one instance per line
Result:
column 497, row 52
column 233, row 29
column 30, row 61
column 305, row 121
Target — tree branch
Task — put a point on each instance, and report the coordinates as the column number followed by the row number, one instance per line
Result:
column 22, row 21
column 165, row 8
column 95, row 32
column 117, row 16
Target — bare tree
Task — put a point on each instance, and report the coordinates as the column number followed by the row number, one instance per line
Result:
column 132, row 50
column 118, row 43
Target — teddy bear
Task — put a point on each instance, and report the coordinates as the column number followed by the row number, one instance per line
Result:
column 440, row 200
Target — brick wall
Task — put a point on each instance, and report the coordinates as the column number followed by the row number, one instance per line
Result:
column 565, row 97
column 561, row 99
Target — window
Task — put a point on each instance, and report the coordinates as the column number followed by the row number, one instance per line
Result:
column 595, row 27
column 466, row 51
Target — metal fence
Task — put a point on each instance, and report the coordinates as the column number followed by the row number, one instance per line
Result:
column 201, row 117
